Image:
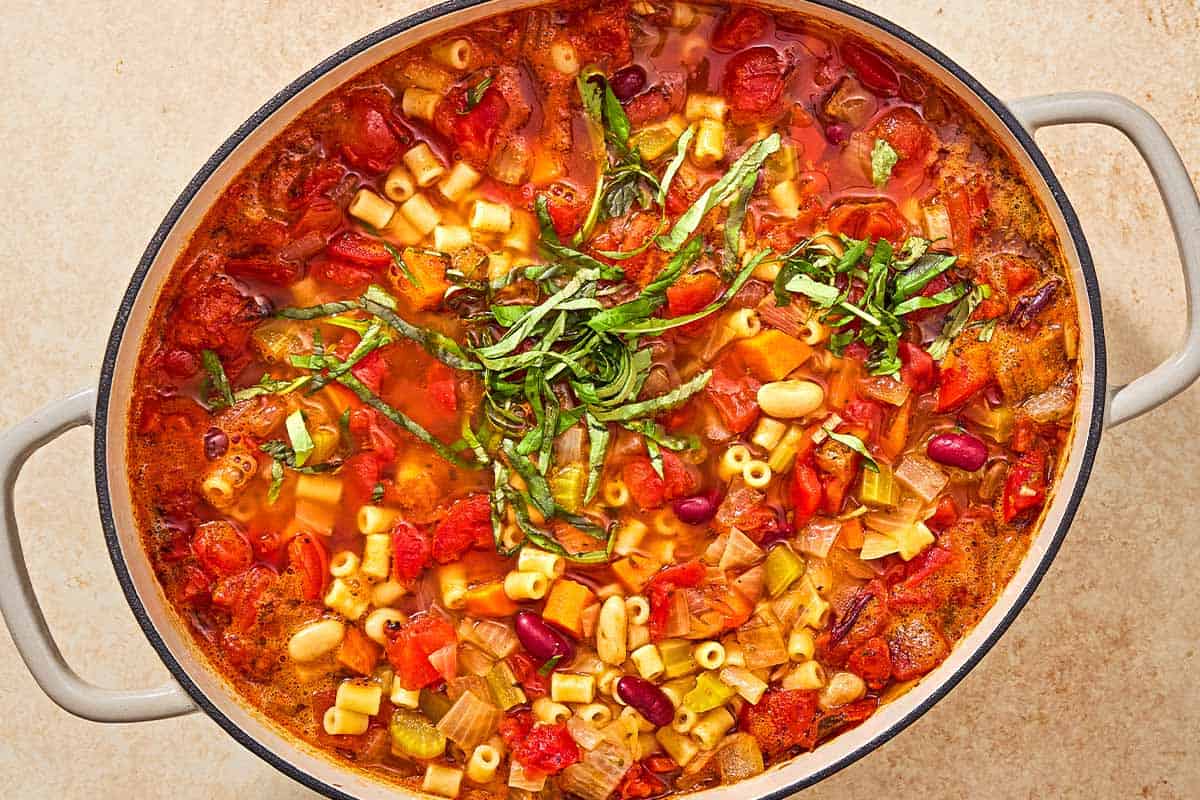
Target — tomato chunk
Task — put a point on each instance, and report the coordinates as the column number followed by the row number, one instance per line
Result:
column 366, row 138
column 309, row 559
column 871, row 68
column 783, row 719
column 735, row 395
column 753, row 83
column 467, row 525
column 738, row 28
column 409, row 647
column 547, row 749
column 873, row 219
column 411, row 551
column 1025, row 486
column 806, row 493
column 221, row 548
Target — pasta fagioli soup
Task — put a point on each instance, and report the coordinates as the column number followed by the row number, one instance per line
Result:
column 604, row 399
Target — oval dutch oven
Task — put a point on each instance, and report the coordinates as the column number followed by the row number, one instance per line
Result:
column 198, row 687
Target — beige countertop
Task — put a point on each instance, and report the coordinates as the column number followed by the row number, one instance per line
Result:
column 110, row 108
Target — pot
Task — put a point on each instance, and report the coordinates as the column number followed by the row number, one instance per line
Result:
column 196, row 687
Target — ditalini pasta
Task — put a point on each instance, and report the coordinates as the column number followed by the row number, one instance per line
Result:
column 591, row 398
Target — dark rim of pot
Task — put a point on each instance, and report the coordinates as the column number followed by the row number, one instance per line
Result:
column 1095, row 417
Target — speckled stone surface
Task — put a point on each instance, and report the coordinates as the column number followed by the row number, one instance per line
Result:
column 109, row 108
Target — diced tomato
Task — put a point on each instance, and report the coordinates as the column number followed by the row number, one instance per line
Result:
column 601, row 32
column 360, row 473
column 868, row 414
column 647, row 107
column 806, row 493
column 442, row 386
column 411, row 552
column 468, row 524
column 745, row 509
column 364, row 251
column 916, row 647
column 917, row 590
column 782, row 720
column 991, row 308
column 917, row 369
column 679, row 479
column 734, row 393
column 344, row 274
column 241, row 594
column 738, row 28
column 409, row 647
column 516, row 725
column 966, row 207
column 944, row 516
column 965, row 376
column 871, row 68
column 567, row 207
column 267, row 269
column 472, row 131
column 324, row 175
column 370, row 432
column 526, row 672
column 868, row 219
column 692, row 292
column 216, row 316
column 658, row 592
column 310, row 560
column 847, row 716
column 547, row 749
column 194, row 587
column 872, row 662
column 640, row 783
column 1018, row 274
column 221, row 548
column 372, row 370
column 909, row 135
column 1024, row 435
column 753, row 84
column 648, row 490
column 1025, row 486
column 180, row 364
column 366, row 138
column 319, row 216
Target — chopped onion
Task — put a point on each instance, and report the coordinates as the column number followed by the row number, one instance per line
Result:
column 740, row 551
column 568, row 448
column 789, row 319
column 750, row 583
column 762, row 643
column 445, row 661
column 584, row 734
column 885, row 389
column 921, row 477
column 679, row 618
column 469, row 721
column 598, row 774
column 818, row 535
column 474, row 661
column 896, row 521
column 1051, row 405
column 491, row 635
column 787, row 607
column 715, row 549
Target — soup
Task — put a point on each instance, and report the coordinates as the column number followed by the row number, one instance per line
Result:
column 602, row 399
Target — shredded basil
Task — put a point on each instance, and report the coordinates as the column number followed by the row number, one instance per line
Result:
column 856, row 444
column 217, row 379
column 476, row 92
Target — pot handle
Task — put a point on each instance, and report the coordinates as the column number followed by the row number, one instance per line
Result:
column 18, row 602
column 1182, row 368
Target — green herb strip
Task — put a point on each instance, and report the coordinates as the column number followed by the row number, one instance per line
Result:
column 302, row 443
column 217, row 378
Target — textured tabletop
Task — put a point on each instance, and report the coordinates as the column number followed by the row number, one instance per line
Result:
column 109, row 108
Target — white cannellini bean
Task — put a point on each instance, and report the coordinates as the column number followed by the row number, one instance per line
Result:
column 315, row 640
column 790, row 399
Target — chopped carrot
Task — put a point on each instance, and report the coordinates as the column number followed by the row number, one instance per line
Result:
column 341, row 398
column 852, row 534
column 489, row 600
column 564, row 604
column 589, row 618
column 842, row 384
column 894, row 437
column 635, row 571
column 357, row 652
column 772, row 354
column 314, row 516
column 429, row 268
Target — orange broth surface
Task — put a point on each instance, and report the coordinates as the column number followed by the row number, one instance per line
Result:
column 426, row 466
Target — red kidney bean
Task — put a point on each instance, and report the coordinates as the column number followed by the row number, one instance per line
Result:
column 627, row 82
column 960, row 450
column 649, row 700
column 837, row 133
column 216, row 443
column 541, row 639
column 697, row 509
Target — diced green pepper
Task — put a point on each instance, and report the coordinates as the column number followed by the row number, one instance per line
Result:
column 710, row 693
column 502, row 683
column 677, row 657
column 879, row 488
column 783, row 568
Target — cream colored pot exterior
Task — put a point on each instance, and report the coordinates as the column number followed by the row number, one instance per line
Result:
column 106, row 408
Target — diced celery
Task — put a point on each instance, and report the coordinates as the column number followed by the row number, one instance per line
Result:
column 413, row 736
column 879, row 488
column 434, row 705
column 676, row 657
column 567, row 485
column 783, row 569
column 502, row 683
column 877, row 545
column 710, row 693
